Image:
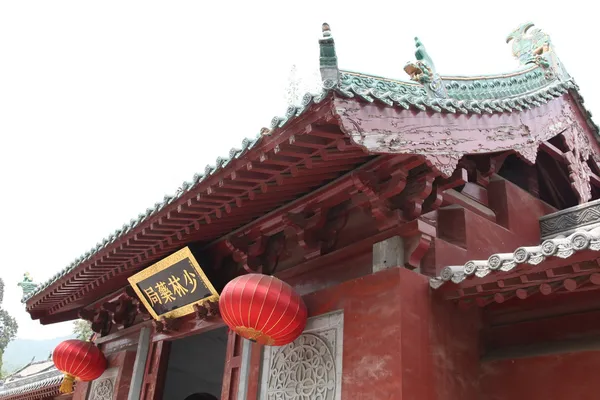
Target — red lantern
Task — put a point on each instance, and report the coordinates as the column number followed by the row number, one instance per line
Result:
column 78, row 360
column 263, row 309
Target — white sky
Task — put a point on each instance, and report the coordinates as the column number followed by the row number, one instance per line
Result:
column 106, row 106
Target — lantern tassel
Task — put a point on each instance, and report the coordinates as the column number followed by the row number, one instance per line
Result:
column 66, row 386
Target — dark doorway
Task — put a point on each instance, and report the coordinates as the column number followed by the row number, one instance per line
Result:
column 196, row 365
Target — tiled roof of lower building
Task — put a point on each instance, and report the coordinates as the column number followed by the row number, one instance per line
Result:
column 561, row 246
column 46, row 380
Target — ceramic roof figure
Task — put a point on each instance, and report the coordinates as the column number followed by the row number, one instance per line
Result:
column 423, row 71
column 532, row 46
column 27, row 285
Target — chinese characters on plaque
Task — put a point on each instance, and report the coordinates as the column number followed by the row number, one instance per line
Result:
column 172, row 286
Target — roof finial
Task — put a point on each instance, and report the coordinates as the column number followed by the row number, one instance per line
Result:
column 27, row 284
column 532, row 46
column 423, row 71
column 330, row 74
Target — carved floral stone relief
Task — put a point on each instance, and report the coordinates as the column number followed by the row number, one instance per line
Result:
column 310, row 368
column 103, row 388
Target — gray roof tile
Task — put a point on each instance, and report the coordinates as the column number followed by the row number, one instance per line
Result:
column 560, row 246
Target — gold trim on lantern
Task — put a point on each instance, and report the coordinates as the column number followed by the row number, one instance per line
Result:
column 164, row 264
column 254, row 335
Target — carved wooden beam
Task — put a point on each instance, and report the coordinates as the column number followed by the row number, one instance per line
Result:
column 102, row 323
column 167, row 325
column 306, row 228
column 87, row 315
column 415, row 248
column 579, row 174
column 338, row 218
column 275, row 249
column 417, row 190
column 374, row 201
column 257, row 255
column 492, row 164
column 125, row 312
column 207, row 310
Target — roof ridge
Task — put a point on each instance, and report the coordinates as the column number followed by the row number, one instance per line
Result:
column 21, row 369
column 394, row 93
column 519, row 71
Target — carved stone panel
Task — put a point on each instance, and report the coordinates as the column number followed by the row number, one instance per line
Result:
column 565, row 222
column 311, row 367
column 103, row 388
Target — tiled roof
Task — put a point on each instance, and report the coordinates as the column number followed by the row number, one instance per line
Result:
column 517, row 91
column 560, row 246
column 235, row 153
column 34, row 368
column 53, row 380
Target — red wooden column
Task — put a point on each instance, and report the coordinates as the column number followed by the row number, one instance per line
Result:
column 231, row 376
column 156, row 369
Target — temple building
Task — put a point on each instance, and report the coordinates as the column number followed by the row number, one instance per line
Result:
column 433, row 238
column 37, row 380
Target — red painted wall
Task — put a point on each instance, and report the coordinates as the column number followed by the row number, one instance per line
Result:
column 400, row 343
column 552, row 377
column 464, row 235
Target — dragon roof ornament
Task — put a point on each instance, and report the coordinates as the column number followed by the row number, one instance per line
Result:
column 532, row 46
column 424, row 72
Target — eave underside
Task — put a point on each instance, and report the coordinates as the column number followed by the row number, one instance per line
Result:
column 327, row 141
column 283, row 168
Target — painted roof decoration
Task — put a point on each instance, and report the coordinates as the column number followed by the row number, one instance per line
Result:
column 540, row 79
column 560, row 246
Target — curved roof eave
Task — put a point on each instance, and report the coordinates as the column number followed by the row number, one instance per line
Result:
column 512, row 92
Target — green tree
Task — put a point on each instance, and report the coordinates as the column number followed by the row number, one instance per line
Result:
column 8, row 325
column 82, row 329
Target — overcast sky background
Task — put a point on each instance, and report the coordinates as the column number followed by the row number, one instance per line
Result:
column 107, row 106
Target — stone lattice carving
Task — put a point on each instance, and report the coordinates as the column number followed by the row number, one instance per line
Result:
column 303, row 370
column 570, row 219
column 103, row 388
column 310, row 368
